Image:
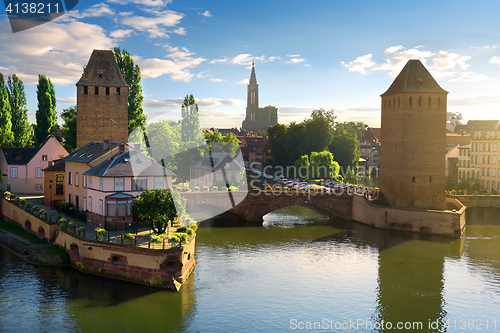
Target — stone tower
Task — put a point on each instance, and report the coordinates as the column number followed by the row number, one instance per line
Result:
column 257, row 119
column 101, row 98
column 413, row 140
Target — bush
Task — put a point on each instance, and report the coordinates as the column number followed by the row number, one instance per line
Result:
column 214, row 188
column 193, row 226
column 28, row 207
column 205, row 188
column 182, row 229
column 71, row 226
column 196, row 189
column 12, row 196
column 42, row 214
column 80, row 230
column 22, row 203
column 155, row 239
column 35, row 210
column 101, row 233
column 6, row 195
column 174, row 240
column 129, row 237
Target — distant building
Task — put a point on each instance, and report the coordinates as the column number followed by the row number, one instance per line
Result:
column 451, row 165
column 369, row 147
column 209, row 171
column 413, row 122
column 22, row 167
column 255, row 151
column 257, row 119
column 101, row 98
column 465, row 170
column 485, row 158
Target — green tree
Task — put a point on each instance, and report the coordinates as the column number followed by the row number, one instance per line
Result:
column 21, row 128
column 279, row 145
column 157, row 208
column 345, row 148
column 46, row 112
column 190, row 123
column 323, row 165
column 132, row 75
column 302, row 167
column 6, row 135
column 69, row 128
column 358, row 126
column 222, row 143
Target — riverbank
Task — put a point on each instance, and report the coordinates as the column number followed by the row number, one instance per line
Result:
column 31, row 248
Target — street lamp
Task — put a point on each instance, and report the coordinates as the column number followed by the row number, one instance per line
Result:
column 50, row 188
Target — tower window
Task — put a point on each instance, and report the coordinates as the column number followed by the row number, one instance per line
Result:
column 420, row 101
column 394, row 102
column 430, row 179
column 429, row 101
column 389, row 102
column 99, row 75
column 85, row 90
column 410, row 101
column 413, row 179
column 107, row 90
column 439, row 101
column 118, row 90
column 97, row 90
column 399, row 101
column 385, row 103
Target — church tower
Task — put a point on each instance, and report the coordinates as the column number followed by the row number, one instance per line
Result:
column 413, row 140
column 257, row 119
column 101, row 98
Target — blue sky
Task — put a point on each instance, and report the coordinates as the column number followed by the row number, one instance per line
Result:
column 327, row 54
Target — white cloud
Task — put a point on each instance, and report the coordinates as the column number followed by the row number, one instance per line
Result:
column 211, row 102
column 202, row 102
column 71, row 100
column 293, row 55
column 206, row 14
column 164, row 103
column 178, row 67
column 360, row 64
column 295, row 60
column 393, row 49
column 470, row 76
column 445, row 60
column 151, row 3
column 273, row 58
column 495, row 60
column 472, row 101
column 120, row 33
column 399, row 59
column 485, row 47
column 94, row 11
column 57, row 50
column 216, row 80
column 156, row 26
column 241, row 59
column 244, row 81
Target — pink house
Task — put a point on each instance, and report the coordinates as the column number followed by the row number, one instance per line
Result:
column 22, row 167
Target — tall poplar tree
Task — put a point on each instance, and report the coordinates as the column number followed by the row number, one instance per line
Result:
column 6, row 135
column 46, row 113
column 19, row 112
column 190, row 123
column 69, row 128
column 132, row 75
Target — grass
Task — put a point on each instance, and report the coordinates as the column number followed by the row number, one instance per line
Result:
column 19, row 231
column 56, row 250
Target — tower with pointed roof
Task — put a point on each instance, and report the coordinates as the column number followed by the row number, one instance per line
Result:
column 257, row 119
column 101, row 98
column 413, row 140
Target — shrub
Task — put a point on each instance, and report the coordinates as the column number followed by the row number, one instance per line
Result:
column 268, row 188
column 35, row 210
column 6, row 195
column 193, row 226
column 12, row 196
column 129, row 237
column 233, row 188
column 101, row 233
column 42, row 214
column 22, row 203
column 29, row 207
column 71, row 226
column 155, row 239
column 80, row 230
column 196, row 189
column 205, row 188
column 214, row 188
column 183, row 238
column 182, row 229
column 174, row 240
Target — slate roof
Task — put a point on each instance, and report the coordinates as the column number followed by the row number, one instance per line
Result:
column 219, row 161
column 128, row 164
column 19, row 156
column 414, row 78
column 58, row 166
column 483, row 125
column 89, row 152
column 102, row 70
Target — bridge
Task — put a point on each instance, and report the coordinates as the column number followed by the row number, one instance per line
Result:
column 253, row 205
column 478, row 200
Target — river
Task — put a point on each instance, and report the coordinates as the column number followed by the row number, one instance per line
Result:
column 299, row 270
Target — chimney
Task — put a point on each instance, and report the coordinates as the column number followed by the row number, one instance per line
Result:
column 105, row 145
column 121, row 147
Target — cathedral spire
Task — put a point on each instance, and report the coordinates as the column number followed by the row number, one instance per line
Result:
column 253, row 78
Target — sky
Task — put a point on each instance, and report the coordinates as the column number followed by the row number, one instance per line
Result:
column 329, row 54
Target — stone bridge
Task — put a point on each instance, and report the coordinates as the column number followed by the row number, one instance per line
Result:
column 253, row 205
column 478, row 200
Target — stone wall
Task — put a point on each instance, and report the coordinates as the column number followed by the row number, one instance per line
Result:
column 478, row 200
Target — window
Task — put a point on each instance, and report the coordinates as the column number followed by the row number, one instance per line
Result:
column 111, row 208
column 85, row 90
column 158, row 182
column 96, row 90
column 77, row 177
column 84, row 180
column 429, row 101
column 430, row 179
column 107, row 90
column 100, row 184
column 69, row 178
column 39, row 187
column 99, row 75
column 139, row 184
column 84, row 204
column 13, row 172
column 419, row 101
column 59, row 184
column 44, row 157
column 118, row 91
column 100, row 207
column 410, row 101
column 119, row 184
column 90, row 204
column 413, row 179
column 122, row 208
column 38, row 173
column 89, row 179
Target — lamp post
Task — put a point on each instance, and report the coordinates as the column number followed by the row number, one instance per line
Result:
column 50, row 188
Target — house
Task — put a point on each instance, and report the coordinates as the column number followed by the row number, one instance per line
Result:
column 216, row 169
column 103, row 178
column 369, row 147
column 255, row 151
column 485, row 157
column 22, row 167
column 54, row 182
column 451, row 165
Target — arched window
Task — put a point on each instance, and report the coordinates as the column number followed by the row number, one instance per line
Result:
column 410, row 101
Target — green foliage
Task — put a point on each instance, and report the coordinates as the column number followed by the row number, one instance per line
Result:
column 80, row 230
column 42, row 214
column 22, row 203
column 6, row 134
column 6, row 195
column 12, row 196
column 218, row 143
column 158, row 208
column 46, row 112
column 302, row 166
column 21, row 128
column 155, row 239
column 323, row 165
column 129, row 237
column 71, row 226
column 193, row 226
column 174, row 240
column 101, row 233
column 69, row 128
column 56, row 250
column 19, row 231
column 345, row 147
column 132, row 75
column 35, row 210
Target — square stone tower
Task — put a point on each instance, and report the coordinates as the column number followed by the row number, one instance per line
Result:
column 413, row 140
column 101, row 98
